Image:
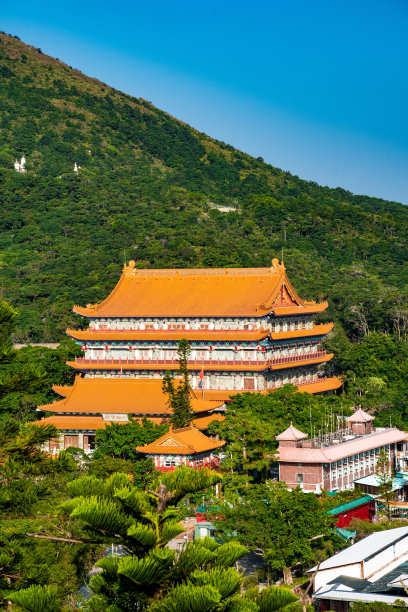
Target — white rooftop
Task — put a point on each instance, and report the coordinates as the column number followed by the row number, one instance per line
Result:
column 364, row 548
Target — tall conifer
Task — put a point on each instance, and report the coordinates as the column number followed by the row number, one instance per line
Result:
column 179, row 400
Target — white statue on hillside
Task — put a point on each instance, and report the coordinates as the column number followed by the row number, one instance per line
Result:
column 76, row 168
column 20, row 166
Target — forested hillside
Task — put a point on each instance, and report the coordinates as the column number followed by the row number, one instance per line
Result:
column 152, row 189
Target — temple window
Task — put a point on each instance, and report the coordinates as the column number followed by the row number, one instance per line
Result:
column 249, row 384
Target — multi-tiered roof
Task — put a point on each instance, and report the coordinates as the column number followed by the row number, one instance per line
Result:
column 247, row 327
column 217, row 292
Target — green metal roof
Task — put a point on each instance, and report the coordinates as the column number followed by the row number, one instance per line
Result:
column 346, row 534
column 355, row 503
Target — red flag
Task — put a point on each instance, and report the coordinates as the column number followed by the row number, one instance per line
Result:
column 202, row 373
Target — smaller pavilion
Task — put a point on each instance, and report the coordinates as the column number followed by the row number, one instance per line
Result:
column 290, row 436
column 360, row 422
column 186, row 446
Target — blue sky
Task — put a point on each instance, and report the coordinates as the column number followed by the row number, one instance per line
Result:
column 315, row 87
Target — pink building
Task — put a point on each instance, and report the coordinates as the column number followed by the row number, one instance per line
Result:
column 335, row 460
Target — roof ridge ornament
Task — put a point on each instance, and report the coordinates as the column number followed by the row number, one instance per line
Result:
column 276, row 266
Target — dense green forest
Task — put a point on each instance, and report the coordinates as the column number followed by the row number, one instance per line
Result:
column 151, row 188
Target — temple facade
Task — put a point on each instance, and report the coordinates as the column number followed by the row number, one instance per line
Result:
column 247, row 328
column 248, row 331
column 94, row 403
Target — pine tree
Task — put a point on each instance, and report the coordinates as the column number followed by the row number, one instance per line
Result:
column 36, row 599
column 152, row 576
column 385, row 478
column 179, row 393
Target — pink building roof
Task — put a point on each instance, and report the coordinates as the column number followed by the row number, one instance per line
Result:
column 335, row 452
column 360, row 417
column 291, row 433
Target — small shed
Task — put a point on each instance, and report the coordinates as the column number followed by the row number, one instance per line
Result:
column 362, row 508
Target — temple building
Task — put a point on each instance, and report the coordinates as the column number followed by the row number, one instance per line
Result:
column 336, row 460
column 186, row 446
column 248, row 331
column 92, row 403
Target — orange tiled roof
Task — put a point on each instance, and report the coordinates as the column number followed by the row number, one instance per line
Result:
column 316, row 330
column 329, row 384
column 63, row 390
column 73, row 422
column 214, row 367
column 118, row 395
column 84, row 422
column 233, row 292
column 81, row 422
column 203, row 422
column 191, row 334
column 305, row 308
column 159, row 334
column 185, row 441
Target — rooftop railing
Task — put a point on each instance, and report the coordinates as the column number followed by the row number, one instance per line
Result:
column 204, row 362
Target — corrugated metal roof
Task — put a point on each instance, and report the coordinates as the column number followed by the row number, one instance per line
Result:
column 364, row 549
column 373, row 481
column 355, row 503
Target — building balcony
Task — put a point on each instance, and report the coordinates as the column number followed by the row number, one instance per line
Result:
column 198, row 364
column 195, row 465
column 205, row 333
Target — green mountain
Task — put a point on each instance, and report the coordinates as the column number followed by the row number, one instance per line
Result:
column 153, row 189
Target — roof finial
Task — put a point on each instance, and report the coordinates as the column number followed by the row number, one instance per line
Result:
column 276, row 266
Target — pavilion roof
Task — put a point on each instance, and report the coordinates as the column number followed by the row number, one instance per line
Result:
column 360, row 416
column 121, row 396
column 185, row 441
column 217, row 292
column 291, row 433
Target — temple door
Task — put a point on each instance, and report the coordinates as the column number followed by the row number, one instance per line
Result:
column 249, row 384
column 70, row 441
